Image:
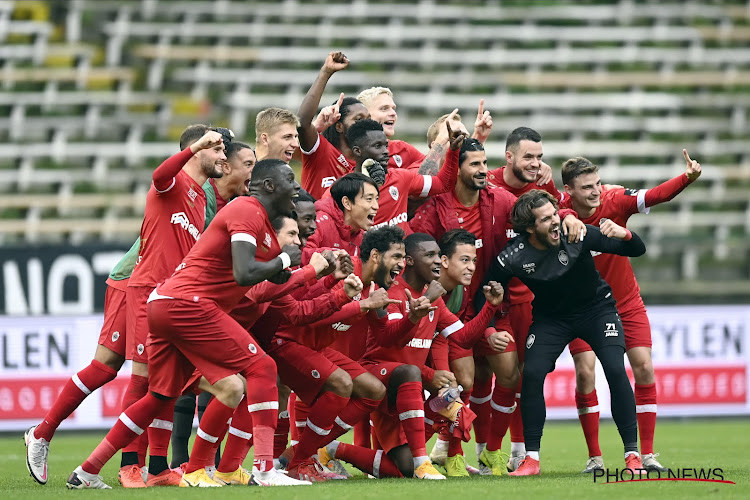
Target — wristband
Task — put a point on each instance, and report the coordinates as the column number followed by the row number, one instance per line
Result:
column 286, row 261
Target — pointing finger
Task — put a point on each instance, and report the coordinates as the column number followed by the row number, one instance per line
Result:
column 338, row 103
column 480, row 113
column 372, row 286
column 687, row 156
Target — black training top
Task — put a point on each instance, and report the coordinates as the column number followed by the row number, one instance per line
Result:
column 563, row 279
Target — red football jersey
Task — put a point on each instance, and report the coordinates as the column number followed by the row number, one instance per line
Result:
column 207, row 271
column 172, row 224
column 402, row 183
column 404, row 155
column 349, row 320
column 414, row 349
column 322, row 165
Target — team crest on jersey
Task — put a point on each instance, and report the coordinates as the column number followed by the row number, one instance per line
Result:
column 115, row 336
column 393, row 190
column 529, row 268
column 520, row 246
column 315, row 374
column 530, row 340
column 398, row 160
column 192, row 194
column 252, row 348
column 358, row 296
column 140, row 349
column 267, row 240
column 383, row 371
column 431, row 316
column 562, row 256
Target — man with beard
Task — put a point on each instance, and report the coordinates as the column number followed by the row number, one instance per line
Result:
column 571, row 301
column 235, row 180
column 172, row 223
column 486, row 214
column 399, row 361
column 337, row 390
column 368, row 142
column 189, row 328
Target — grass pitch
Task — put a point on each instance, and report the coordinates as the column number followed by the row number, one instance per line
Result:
column 716, row 443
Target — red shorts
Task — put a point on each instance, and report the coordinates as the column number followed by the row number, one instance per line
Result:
column 482, row 347
column 189, row 335
column 637, row 331
column 305, row 370
column 137, row 323
column 114, row 332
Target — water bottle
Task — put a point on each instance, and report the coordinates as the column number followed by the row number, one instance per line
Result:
column 439, row 402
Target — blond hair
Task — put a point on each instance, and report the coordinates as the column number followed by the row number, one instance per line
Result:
column 270, row 119
column 434, row 129
column 369, row 95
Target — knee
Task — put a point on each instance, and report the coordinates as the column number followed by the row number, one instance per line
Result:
column 229, row 391
column 340, row 383
column 284, row 392
column 375, row 390
column 401, row 456
column 407, row 373
column 510, row 379
column 465, row 380
column 643, row 371
column 533, row 375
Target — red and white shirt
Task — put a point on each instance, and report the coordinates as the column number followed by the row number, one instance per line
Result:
column 207, row 271
column 322, row 165
column 172, row 223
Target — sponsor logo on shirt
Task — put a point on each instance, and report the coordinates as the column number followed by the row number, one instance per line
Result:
column 562, row 256
column 181, row 219
column 267, row 240
column 327, row 181
column 529, row 267
column 420, row 343
column 611, row 330
column 594, row 253
column 393, row 190
column 398, row 160
column 399, row 219
column 340, row 327
column 509, row 233
column 192, row 194
column 478, row 243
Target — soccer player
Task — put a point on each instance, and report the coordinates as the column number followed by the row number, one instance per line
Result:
column 345, row 216
column 337, row 390
column 326, row 156
column 276, row 135
column 368, row 142
column 593, row 204
column 188, row 322
column 482, row 212
column 570, row 300
column 173, row 221
column 398, row 360
column 108, row 359
column 235, row 182
column 524, row 169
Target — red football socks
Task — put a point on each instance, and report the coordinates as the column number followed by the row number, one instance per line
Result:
column 374, row 462
column 74, row 392
column 588, row 414
column 645, row 411
column 502, row 408
column 410, row 410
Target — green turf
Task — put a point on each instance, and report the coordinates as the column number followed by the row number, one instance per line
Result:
column 684, row 443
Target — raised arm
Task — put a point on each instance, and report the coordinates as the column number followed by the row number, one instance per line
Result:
column 308, row 135
column 165, row 173
column 614, row 239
